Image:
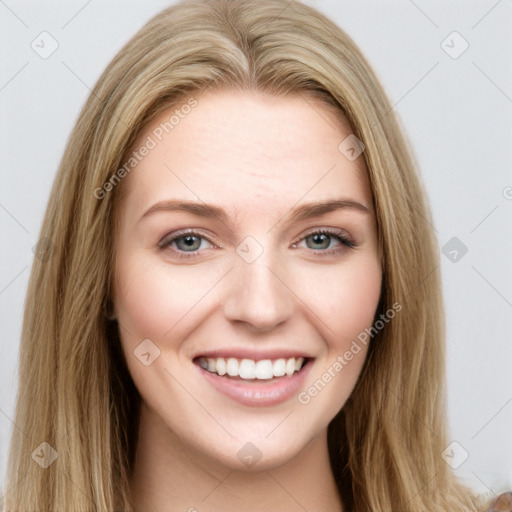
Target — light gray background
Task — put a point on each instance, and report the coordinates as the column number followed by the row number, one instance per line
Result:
column 457, row 113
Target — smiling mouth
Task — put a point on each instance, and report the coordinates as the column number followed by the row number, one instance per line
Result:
column 250, row 369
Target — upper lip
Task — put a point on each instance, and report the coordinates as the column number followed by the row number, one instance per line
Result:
column 255, row 354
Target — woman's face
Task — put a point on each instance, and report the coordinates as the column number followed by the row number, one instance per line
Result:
column 247, row 244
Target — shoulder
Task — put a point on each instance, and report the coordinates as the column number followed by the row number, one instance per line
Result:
column 503, row 503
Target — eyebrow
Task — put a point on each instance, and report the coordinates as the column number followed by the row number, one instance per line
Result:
column 303, row 212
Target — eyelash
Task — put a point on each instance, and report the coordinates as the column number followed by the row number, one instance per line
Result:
column 345, row 242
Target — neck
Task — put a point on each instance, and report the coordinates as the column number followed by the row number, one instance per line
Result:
column 168, row 476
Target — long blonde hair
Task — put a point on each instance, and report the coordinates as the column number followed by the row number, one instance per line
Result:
column 75, row 392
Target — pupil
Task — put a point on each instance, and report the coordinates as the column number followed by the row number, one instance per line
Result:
column 321, row 239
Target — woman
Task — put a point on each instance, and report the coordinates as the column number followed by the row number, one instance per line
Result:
column 237, row 309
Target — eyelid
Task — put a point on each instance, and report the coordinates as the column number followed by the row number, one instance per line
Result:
column 341, row 233
column 170, row 237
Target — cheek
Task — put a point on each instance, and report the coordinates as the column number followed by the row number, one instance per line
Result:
column 345, row 299
column 346, row 306
column 155, row 300
column 141, row 308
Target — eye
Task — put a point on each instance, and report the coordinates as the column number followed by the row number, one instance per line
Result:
column 184, row 244
column 326, row 241
column 189, row 243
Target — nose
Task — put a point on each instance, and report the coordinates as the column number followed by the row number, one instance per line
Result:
column 259, row 294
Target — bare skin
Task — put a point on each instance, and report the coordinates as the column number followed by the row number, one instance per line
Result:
column 259, row 158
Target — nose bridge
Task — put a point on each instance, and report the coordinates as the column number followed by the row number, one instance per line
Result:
column 257, row 294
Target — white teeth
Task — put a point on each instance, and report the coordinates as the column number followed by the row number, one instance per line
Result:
column 249, row 369
column 232, row 367
column 221, row 366
column 264, row 369
column 279, row 367
column 290, row 366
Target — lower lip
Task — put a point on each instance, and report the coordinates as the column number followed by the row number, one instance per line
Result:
column 256, row 393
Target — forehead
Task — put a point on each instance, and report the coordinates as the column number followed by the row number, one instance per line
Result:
column 246, row 151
